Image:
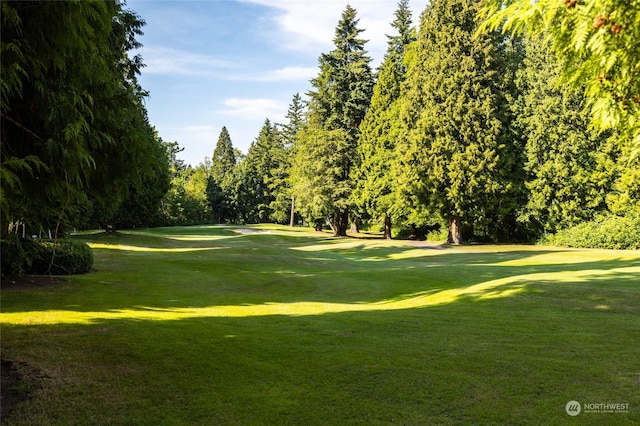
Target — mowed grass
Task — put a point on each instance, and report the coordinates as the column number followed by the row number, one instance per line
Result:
column 217, row 325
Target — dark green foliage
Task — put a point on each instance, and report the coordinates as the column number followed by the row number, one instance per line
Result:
column 261, row 161
column 221, row 179
column 605, row 232
column 224, row 158
column 459, row 160
column 338, row 103
column 61, row 257
column 570, row 167
column 143, row 206
column 375, row 194
column 75, row 135
column 280, row 180
column 16, row 255
column 321, row 189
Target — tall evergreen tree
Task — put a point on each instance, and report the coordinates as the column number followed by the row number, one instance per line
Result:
column 221, row 177
column 454, row 109
column 338, row 102
column 224, row 158
column 374, row 192
column 569, row 170
column 261, row 161
column 280, row 183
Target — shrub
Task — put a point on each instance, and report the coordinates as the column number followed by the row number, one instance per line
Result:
column 438, row 235
column 13, row 258
column 62, row 257
column 608, row 232
column 16, row 255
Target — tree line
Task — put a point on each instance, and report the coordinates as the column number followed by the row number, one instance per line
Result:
column 465, row 123
column 460, row 125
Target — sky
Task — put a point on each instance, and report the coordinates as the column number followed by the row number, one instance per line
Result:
column 215, row 63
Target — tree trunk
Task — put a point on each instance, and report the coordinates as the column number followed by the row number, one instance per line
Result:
column 340, row 221
column 293, row 212
column 355, row 227
column 455, row 231
column 387, row 227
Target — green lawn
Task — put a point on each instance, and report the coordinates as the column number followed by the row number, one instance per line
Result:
column 208, row 325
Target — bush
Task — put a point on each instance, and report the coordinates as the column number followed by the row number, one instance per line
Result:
column 16, row 255
column 13, row 258
column 62, row 257
column 438, row 236
column 607, row 232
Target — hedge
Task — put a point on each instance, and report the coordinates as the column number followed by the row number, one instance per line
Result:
column 606, row 232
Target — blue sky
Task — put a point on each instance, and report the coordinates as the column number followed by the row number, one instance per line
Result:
column 214, row 63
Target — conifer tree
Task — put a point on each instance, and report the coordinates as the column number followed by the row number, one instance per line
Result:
column 569, row 169
column 279, row 183
column 224, row 158
column 221, row 177
column 338, row 102
column 598, row 41
column 454, row 109
column 374, row 186
column 260, row 163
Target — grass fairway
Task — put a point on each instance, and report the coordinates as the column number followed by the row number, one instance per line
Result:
column 216, row 325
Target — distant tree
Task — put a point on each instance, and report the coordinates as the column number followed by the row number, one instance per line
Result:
column 321, row 188
column 380, row 130
column 279, row 183
column 221, row 178
column 143, row 206
column 338, row 102
column 186, row 202
column 260, row 162
column 457, row 161
column 224, row 157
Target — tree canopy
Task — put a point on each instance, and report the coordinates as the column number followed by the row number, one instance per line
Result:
column 75, row 134
column 599, row 43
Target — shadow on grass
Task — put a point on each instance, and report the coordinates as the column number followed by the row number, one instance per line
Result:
column 308, row 329
column 456, row 363
column 259, row 299
column 293, row 273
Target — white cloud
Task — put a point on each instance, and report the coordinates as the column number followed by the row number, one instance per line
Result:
column 168, row 61
column 254, row 108
column 282, row 74
column 308, row 26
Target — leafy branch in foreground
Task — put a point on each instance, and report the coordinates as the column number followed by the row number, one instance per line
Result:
column 600, row 43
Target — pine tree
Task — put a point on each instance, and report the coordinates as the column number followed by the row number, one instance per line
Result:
column 454, row 110
column 338, row 102
column 374, row 192
column 221, row 178
column 224, row 158
column 279, row 183
column 569, row 171
column 260, row 162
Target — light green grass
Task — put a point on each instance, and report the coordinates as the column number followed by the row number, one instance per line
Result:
column 208, row 325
